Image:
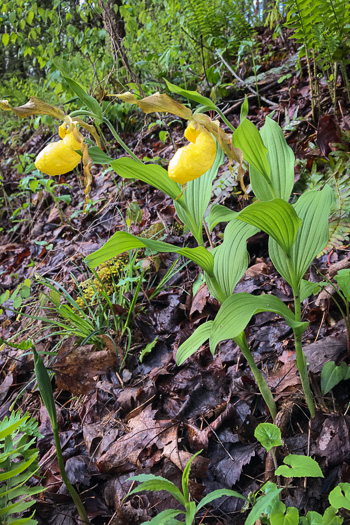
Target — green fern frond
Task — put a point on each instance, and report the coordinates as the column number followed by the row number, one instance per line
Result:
column 18, row 463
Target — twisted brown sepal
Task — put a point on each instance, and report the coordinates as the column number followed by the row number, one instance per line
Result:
column 34, row 106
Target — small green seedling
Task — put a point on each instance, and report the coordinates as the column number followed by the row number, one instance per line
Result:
column 155, row 483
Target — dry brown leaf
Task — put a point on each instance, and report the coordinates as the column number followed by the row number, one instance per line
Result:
column 76, row 367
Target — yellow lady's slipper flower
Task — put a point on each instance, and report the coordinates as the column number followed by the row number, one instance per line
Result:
column 59, row 157
column 192, row 161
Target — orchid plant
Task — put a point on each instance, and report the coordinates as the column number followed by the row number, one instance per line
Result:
column 297, row 233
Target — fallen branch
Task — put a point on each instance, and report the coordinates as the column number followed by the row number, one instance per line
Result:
column 269, row 102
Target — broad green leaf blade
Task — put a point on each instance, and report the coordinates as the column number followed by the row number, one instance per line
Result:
column 281, row 160
column 339, row 497
column 268, row 435
column 122, row 242
column 45, row 387
column 313, row 209
column 330, row 517
column 260, row 506
column 312, row 518
column 343, row 280
column 98, row 156
column 197, row 197
column 192, row 95
column 219, row 213
column 186, row 476
column 163, row 518
column 191, row 345
column 277, row 218
column 237, row 311
column 308, row 288
column 332, row 374
column 231, row 257
column 86, row 99
column 151, row 482
column 291, row 517
column 218, row 494
column 247, row 138
column 299, row 467
column 152, row 174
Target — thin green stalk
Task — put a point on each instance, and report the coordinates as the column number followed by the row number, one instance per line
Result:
column 259, row 378
column 73, row 493
column 300, row 356
column 345, row 78
column 256, row 78
column 45, row 389
column 227, row 122
column 119, row 140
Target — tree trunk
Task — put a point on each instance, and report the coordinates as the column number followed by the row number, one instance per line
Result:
column 114, row 25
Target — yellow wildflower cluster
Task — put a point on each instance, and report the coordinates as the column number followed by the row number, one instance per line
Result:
column 108, row 273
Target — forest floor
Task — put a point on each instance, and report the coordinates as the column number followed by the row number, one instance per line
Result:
column 152, row 416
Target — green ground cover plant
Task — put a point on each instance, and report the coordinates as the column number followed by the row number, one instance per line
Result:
column 18, row 463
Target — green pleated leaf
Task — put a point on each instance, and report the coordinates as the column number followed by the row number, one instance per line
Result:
column 237, row 311
column 219, row 213
column 261, row 504
column 122, row 242
column 313, row 209
column 247, row 138
column 281, row 160
column 195, row 341
column 197, row 197
column 192, row 95
column 277, row 218
column 218, row 494
column 86, row 99
column 299, row 467
column 231, row 257
column 151, row 482
column 152, row 174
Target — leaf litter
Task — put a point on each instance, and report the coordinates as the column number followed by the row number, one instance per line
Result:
column 153, row 416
